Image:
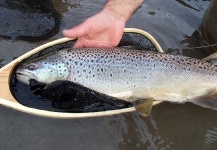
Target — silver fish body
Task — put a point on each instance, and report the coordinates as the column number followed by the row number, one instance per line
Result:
column 129, row 74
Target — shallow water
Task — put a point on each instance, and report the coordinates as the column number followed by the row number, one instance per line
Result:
column 175, row 25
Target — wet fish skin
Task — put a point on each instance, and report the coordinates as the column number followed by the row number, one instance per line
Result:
column 129, row 74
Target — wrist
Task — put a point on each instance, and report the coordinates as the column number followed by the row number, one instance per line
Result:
column 122, row 9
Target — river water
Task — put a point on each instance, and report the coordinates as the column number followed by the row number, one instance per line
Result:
column 175, row 25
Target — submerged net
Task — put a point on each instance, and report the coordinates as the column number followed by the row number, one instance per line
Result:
column 68, row 96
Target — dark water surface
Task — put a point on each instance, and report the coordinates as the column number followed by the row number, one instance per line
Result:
column 175, row 25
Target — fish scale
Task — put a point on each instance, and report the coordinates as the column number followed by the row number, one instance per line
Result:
column 125, row 71
column 103, row 66
column 134, row 74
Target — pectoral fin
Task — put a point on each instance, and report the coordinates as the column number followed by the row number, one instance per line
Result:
column 143, row 107
column 208, row 101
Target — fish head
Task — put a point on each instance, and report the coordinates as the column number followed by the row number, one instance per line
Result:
column 44, row 70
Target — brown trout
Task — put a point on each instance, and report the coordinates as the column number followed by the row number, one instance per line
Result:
column 130, row 75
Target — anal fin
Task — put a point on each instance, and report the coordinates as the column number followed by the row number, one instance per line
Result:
column 143, row 107
column 208, row 101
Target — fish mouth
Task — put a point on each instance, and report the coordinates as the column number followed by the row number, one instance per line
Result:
column 25, row 77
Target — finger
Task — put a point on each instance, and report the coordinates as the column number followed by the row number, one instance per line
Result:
column 78, row 44
column 83, row 42
column 77, row 31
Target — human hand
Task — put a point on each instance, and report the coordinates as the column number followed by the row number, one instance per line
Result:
column 104, row 29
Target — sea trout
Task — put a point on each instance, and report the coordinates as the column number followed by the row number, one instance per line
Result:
column 130, row 75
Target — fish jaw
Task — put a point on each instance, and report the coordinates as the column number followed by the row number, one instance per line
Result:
column 24, row 77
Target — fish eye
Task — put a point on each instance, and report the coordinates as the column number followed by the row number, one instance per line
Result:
column 31, row 67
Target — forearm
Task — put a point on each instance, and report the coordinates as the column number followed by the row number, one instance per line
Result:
column 122, row 9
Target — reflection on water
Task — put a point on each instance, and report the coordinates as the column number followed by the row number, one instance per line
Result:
column 175, row 25
column 187, row 5
column 211, row 138
column 170, row 126
column 143, row 132
column 28, row 20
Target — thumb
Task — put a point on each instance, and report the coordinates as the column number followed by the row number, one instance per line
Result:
column 77, row 31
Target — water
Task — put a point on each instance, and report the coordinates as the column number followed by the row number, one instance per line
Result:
column 175, row 25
